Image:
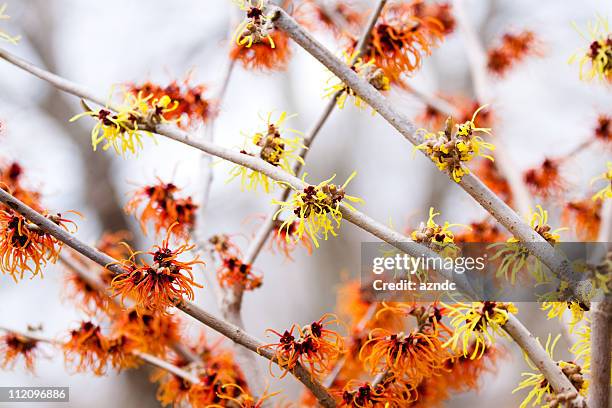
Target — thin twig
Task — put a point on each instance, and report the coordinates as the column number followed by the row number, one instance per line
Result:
column 166, row 366
column 482, row 88
column 535, row 243
column 154, row 361
column 229, row 330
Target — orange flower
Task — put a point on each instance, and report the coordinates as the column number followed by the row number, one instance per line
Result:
column 235, row 395
column 400, row 39
column 192, row 106
column 441, row 12
column 284, row 241
column 173, row 390
column 337, row 16
column 585, row 215
column 417, row 355
column 512, row 50
column 262, row 57
column 258, row 45
column 220, row 370
column 11, row 176
column 603, row 131
column 163, row 208
column 120, row 353
column 160, row 285
column 86, row 297
column 434, row 119
column 545, row 181
column 224, row 246
column 316, row 347
column 235, row 272
column 152, row 332
column 490, row 175
column 24, row 246
column 483, row 231
column 14, row 346
column 88, row 349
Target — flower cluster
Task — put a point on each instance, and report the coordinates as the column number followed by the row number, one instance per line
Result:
column 414, row 355
column 163, row 208
column 124, row 126
column 365, row 70
column 221, row 379
column 191, row 105
column 3, row 35
column 234, row 272
column 161, row 284
column 512, row 50
column 399, row 40
column 596, row 61
column 273, row 147
column 457, row 144
column 474, row 325
column 312, row 208
column 24, row 246
column 315, row 346
column 438, row 237
column 545, row 181
column 14, row 346
column 88, row 349
column 258, row 45
column 150, row 331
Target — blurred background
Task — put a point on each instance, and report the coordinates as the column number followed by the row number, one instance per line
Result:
column 541, row 108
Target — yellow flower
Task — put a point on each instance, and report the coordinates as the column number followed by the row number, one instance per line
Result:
column 596, row 60
column 515, row 256
column 366, row 70
column 272, row 147
column 605, row 192
column 557, row 309
column 450, row 148
column 581, row 349
column 438, row 237
column 538, row 220
column 256, row 28
column 315, row 210
column 123, row 130
column 475, row 324
column 542, row 394
column 3, row 35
